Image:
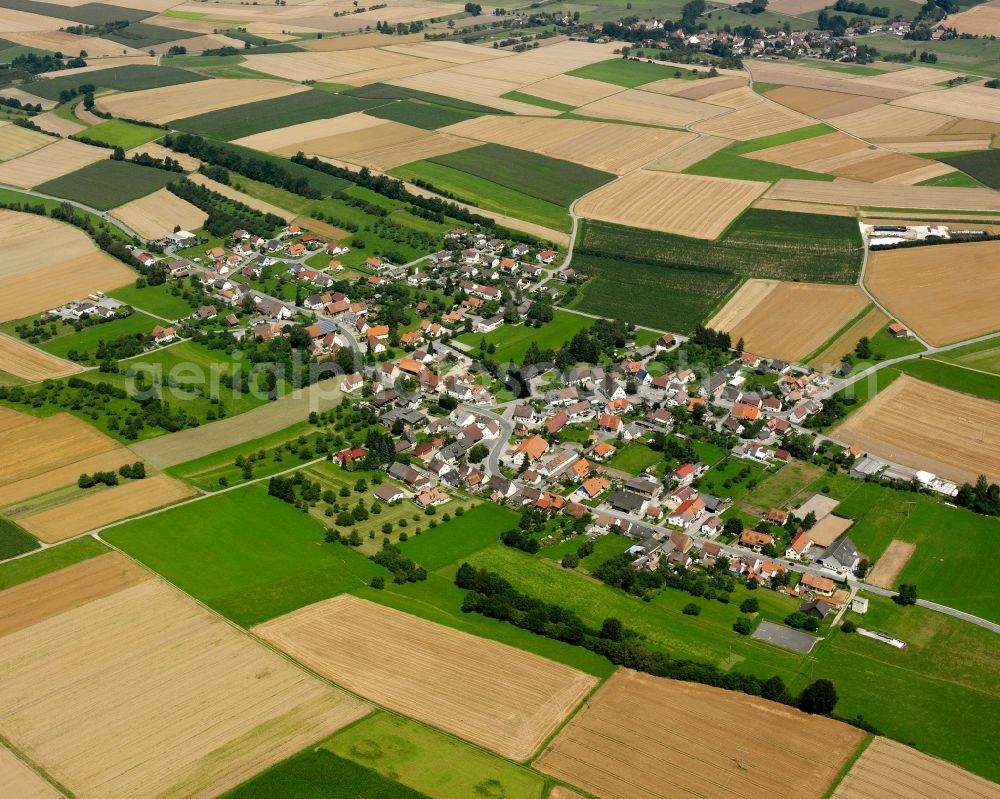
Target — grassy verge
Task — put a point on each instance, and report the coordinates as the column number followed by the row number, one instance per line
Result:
column 49, row 560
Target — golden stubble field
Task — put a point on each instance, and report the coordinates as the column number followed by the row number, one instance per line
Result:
column 854, row 192
column 687, row 205
column 48, row 163
column 16, row 141
column 31, row 363
column 944, row 293
column 661, row 739
column 787, row 320
column 118, row 685
column 954, row 435
column 156, row 214
column 890, row 770
column 502, row 698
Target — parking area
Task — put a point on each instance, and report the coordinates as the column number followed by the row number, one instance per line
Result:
column 785, row 637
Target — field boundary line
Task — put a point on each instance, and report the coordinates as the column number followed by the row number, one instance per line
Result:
column 848, row 765
column 7, row 744
column 826, row 344
column 584, row 702
column 962, row 366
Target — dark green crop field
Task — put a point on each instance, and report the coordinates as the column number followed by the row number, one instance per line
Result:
column 550, row 179
column 422, row 114
column 293, row 109
column 87, row 13
column 984, row 166
column 108, row 184
column 124, row 79
column 140, row 35
column 383, row 91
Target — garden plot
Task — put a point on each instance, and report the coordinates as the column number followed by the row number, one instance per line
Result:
column 809, row 312
column 48, row 163
column 502, row 698
column 752, row 122
column 888, row 121
column 183, row 100
column 973, row 102
column 157, row 214
column 959, row 435
column 601, row 145
column 571, row 90
column 689, row 154
column 687, row 205
column 981, row 20
column 820, row 103
column 143, row 692
column 944, row 295
column 104, row 507
column 634, row 105
column 16, row 141
column 851, row 192
column 890, row 770
column 30, row 363
column 662, row 739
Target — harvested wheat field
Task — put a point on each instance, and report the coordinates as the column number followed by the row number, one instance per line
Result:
column 106, row 63
column 868, row 325
column 959, row 434
column 452, row 52
column 12, row 21
column 972, row 102
column 911, row 79
column 689, row 154
column 157, row 214
column 981, row 20
column 887, row 121
column 187, row 162
column 688, row 205
column 31, row 363
column 321, row 66
column 881, row 166
column 705, row 87
column 852, row 192
column 810, row 151
column 944, row 295
column 61, row 476
column 752, row 122
column 890, row 770
column 476, row 89
column 796, row 6
column 450, row 680
column 543, row 62
column 662, row 739
column 64, row 42
column 601, row 145
column 810, row 78
column 804, row 208
column 571, row 90
column 16, row 141
column 888, row 567
column 59, row 158
column 26, row 97
column 937, row 144
column 143, row 692
column 289, row 137
column 820, row 103
column 788, row 320
column 239, row 196
column 633, row 105
column 20, row 781
column 742, row 97
column 54, row 123
column 187, row 99
column 104, row 507
column 355, row 42
column 387, row 74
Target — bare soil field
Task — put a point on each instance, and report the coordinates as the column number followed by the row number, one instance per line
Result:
column 820, row 103
column 31, row 363
column 450, row 680
column 104, row 507
column 886, row 121
column 662, row 739
column 689, row 154
column 973, row 102
column 183, row 100
column 888, row 567
column 788, row 320
column 688, row 205
column 961, row 126
column 633, row 105
column 811, row 78
column 944, row 295
column 20, row 781
column 829, row 529
column 143, row 692
column 559, row 792
column 916, row 176
column 851, row 192
column 29, row 603
column 59, row 158
column 156, row 214
column 16, row 141
column 763, row 119
column 868, row 325
column 959, row 434
column 981, row 20
column 890, row 770
column 571, row 90
column 601, row 145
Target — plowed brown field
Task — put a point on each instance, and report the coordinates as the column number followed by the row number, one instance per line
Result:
column 959, row 435
column 889, row 770
column 661, row 739
column 143, row 693
column 502, row 698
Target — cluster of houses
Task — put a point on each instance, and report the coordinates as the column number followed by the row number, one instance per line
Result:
column 93, row 306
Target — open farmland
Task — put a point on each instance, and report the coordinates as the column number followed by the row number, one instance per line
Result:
column 61, row 157
column 685, row 205
column 649, row 108
column 157, row 214
column 570, row 90
column 959, row 435
column 107, row 184
column 600, row 145
column 133, row 78
column 119, row 133
column 752, row 122
column 983, row 166
column 642, row 735
column 687, row 155
column 104, row 507
column 32, row 364
column 69, row 267
column 820, row 103
column 420, row 114
column 868, row 325
column 944, row 293
column 19, row 780
column 450, row 679
column 809, row 314
column 967, row 101
column 982, row 20
column 141, row 691
column 167, row 103
column 16, row 141
column 851, row 192
column 891, row 770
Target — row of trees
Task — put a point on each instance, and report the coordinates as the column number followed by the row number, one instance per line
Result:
column 224, row 214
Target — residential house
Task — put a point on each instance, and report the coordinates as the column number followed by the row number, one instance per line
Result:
column 842, row 556
column 818, row 585
column 798, row 547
